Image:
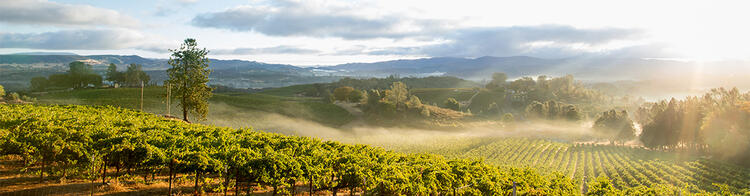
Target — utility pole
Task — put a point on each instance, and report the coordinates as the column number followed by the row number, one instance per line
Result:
column 169, row 113
column 141, row 95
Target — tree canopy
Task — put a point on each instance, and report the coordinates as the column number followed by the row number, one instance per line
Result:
column 188, row 78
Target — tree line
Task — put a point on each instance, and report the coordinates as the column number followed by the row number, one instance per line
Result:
column 133, row 76
column 82, row 75
column 717, row 123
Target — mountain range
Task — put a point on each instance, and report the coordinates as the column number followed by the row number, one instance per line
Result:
column 237, row 73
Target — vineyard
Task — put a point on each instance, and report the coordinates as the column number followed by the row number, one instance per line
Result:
column 78, row 141
column 626, row 166
column 104, row 143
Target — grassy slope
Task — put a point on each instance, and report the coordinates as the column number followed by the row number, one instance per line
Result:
column 289, row 91
column 427, row 95
column 439, row 95
column 154, row 102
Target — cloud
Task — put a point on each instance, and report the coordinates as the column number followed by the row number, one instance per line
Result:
column 187, row 1
column 269, row 50
column 443, row 37
column 552, row 41
column 78, row 40
column 286, row 18
column 51, row 13
column 543, row 41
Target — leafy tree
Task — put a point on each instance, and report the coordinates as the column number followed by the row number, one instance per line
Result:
column 452, row 104
column 342, row 93
column 2, row 91
column 616, row 125
column 498, row 81
column 113, row 75
column 357, row 96
column 80, row 68
column 13, row 96
column 188, row 77
column 81, row 75
column 39, row 83
column 135, row 75
column 398, row 94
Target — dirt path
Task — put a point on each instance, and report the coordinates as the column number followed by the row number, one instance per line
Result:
column 354, row 111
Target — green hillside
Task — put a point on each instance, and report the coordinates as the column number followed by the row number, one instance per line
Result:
column 155, row 102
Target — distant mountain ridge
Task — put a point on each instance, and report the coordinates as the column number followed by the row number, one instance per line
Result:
column 468, row 68
column 148, row 63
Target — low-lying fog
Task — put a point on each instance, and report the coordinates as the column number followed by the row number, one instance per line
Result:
column 397, row 138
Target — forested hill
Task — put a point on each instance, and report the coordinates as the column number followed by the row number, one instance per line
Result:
column 148, row 63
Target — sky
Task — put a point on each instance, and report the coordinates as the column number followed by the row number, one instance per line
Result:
column 327, row 32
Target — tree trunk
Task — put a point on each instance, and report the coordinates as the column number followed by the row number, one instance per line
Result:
column 236, row 182
column 311, row 185
column 333, row 188
column 104, row 171
column 171, row 164
column 226, row 182
column 291, row 186
column 184, row 110
column 41, row 173
column 64, row 172
column 249, row 187
column 153, row 174
column 195, row 188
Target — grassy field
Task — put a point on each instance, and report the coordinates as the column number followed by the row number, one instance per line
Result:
column 439, row 95
column 427, row 95
column 154, row 101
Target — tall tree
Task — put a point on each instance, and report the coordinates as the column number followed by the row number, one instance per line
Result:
column 135, row 75
column 113, row 75
column 398, row 94
column 82, row 74
column 188, row 77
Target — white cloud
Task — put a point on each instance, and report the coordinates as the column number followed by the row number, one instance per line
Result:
column 106, row 39
column 288, row 18
column 41, row 12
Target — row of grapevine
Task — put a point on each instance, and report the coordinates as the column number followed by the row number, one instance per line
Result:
column 628, row 167
column 69, row 141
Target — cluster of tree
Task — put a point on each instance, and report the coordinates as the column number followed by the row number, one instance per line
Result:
column 349, row 94
column 324, row 90
column 134, row 76
column 145, row 145
column 552, row 110
column 80, row 75
column 13, row 97
column 395, row 102
column 717, row 122
column 414, row 82
column 616, row 125
column 501, row 96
